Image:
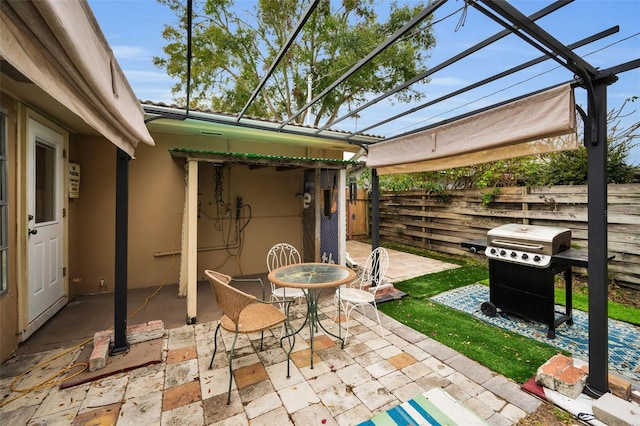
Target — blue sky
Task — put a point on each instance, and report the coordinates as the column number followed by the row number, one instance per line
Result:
column 133, row 29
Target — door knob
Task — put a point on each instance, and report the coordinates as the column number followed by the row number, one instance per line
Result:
column 33, row 231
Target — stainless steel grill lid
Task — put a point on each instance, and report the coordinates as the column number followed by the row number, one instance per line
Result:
column 547, row 240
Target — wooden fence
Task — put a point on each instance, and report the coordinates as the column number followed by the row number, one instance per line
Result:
column 441, row 222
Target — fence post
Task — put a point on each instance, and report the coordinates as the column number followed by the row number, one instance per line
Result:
column 525, row 206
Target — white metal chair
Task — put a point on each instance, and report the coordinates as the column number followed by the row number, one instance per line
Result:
column 362, row 291
column 279, row 255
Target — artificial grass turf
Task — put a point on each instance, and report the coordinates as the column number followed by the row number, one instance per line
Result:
column 507, row 353
column 439, row 282
column 616, row 311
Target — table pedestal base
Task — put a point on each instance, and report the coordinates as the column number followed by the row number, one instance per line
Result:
column 312, row 318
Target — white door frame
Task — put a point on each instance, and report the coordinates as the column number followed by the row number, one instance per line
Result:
column 38, row 132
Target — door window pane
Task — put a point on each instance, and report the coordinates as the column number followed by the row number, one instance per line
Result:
column 45, row 182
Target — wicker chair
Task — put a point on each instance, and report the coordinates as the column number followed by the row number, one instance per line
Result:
column 362, row 291
column 244, row 313
column 279, row 255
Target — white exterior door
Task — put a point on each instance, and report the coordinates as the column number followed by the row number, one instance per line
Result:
column 45, row 222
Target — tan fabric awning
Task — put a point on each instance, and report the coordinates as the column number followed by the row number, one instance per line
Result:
column 59, row 46
column 532, row 125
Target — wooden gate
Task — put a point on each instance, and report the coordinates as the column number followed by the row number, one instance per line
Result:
column 358, row 216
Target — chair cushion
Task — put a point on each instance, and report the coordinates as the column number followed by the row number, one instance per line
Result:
column 355, row 295
column 255, row 317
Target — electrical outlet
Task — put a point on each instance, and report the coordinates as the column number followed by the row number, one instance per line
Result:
column 102, row 283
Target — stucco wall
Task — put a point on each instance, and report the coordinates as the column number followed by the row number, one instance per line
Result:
column 92, row 216
column 271, row 212
column 73, row 234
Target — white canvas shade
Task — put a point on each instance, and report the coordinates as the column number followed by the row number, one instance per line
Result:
column 541, row 123
column 59, row 47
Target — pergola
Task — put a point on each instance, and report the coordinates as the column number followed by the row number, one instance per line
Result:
column 462, row 139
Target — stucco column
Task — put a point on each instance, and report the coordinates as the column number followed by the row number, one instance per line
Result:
column 190, row 246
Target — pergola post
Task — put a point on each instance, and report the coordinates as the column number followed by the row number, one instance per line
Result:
column 342, row 218
column 318, row 213
column 120, row 343
column 375, row 209
column 375, row 220
column 596, row 142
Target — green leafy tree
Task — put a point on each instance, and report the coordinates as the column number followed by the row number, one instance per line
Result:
column 570, row 167
column 523, row 171
column 232, row 49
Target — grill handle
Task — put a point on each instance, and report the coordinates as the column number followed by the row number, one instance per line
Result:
column 522, row 246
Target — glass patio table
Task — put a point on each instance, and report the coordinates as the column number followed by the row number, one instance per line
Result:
column 313, row 278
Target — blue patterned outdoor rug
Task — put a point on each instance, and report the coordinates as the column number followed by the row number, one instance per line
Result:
column 434, row 407
column 624, row 339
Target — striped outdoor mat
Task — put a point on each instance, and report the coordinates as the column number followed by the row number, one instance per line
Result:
column 434, row 407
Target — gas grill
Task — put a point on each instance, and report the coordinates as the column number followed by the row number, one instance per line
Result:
column 523, row 263
column 529, row 245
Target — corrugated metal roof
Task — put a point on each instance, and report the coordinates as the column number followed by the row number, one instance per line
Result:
column 263, row 160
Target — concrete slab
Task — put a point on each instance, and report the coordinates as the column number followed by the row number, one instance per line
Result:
column 402, row 266
column 614, row 411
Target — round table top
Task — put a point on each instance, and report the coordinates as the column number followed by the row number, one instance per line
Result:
column 311, row 275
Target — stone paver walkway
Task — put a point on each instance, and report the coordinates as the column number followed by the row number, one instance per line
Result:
column 376, row 370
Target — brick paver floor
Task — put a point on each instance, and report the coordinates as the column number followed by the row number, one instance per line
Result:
column 376, row 370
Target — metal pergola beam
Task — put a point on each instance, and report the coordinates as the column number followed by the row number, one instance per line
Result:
column 553, row 47
column 627, row 66
column 486, row 42
column 283, row 51
column 487, row 80
column 424, row 13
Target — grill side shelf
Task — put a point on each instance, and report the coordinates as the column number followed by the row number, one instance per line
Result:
column 575, row 257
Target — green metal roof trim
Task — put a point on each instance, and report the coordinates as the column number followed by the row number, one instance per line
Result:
column 260, row 159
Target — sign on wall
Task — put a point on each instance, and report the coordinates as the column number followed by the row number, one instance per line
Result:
column 74, row 180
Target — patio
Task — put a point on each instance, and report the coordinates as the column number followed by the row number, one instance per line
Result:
column 57, row 79
column 376, row 370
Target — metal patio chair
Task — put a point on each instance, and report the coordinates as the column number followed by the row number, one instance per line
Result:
column 279, row 255
column 361, row 292
column 243, row 313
